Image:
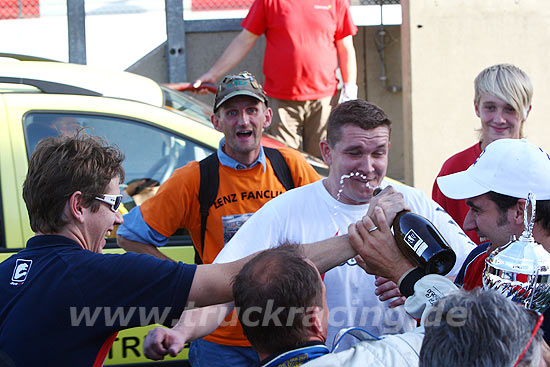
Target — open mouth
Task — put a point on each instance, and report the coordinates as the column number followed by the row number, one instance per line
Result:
column 357, row 176
column 244, row 134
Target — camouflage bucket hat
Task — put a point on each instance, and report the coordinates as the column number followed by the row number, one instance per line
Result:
column 234, row 85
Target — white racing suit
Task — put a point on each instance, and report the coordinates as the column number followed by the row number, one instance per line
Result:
column 400, row 350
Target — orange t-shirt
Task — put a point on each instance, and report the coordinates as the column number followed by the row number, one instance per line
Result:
column 240, row 194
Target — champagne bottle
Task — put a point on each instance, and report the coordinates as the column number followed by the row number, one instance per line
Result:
column 421, row 242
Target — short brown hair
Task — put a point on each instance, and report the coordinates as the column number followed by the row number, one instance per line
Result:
column 60, row 166
column 356, row 112
column 277, row 279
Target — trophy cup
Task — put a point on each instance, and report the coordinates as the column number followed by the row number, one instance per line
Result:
column 520, row 270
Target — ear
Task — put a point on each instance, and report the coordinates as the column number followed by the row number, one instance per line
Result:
column 268, row 117
column 326, row 151
column 516, row 212
column 216, row 122
column 476, row 107
column 75, row 207
column 314, row 322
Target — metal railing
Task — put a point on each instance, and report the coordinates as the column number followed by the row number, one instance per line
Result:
column 181, row 17
column 14, row 9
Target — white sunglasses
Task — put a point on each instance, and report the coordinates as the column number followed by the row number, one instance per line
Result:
column 112, row 200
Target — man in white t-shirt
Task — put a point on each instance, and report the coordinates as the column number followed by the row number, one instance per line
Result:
column 356, row 149
column 357, row 145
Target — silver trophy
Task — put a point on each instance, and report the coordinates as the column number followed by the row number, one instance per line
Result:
column 520, row 270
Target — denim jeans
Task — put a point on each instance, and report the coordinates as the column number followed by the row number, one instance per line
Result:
column 206, row 354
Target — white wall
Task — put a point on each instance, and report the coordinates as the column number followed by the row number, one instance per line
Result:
column 451, row 41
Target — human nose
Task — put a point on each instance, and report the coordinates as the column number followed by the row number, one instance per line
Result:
column 118, row 218
column 469, row 222
column 499, row 116
column 243, row 117
column 367, row 165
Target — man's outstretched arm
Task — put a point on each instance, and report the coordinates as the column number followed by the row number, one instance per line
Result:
column 213, row 284
column 233, row 54
column 192, row 325
column 140, row 248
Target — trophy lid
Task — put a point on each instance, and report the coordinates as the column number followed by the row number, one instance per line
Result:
column 523, row 255
column 521, row 269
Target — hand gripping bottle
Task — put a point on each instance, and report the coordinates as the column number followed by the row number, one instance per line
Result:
column 421, row 242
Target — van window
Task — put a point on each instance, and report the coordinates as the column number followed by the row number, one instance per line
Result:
column 150, row 152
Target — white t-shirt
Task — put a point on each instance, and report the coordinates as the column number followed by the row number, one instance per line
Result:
column 308, row 214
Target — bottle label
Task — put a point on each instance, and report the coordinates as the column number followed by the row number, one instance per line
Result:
column 415, row 242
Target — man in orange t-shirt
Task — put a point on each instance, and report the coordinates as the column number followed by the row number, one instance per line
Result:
column 246, row 182
column 306, row 41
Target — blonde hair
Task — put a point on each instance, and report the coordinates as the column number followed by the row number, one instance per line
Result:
column 507, row 82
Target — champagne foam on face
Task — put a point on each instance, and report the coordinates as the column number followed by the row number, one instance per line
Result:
column 350, row 175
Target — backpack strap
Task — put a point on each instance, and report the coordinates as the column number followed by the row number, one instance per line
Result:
column 210, row 183
column 208, row 189
column 282, row 171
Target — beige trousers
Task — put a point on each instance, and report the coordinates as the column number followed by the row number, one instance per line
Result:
column 300, row 124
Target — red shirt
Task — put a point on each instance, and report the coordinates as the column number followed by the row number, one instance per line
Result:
column 300, row 58
column 457, row 209
column 473, row 276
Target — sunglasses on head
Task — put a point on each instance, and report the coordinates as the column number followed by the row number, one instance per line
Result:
column 112, row 200
column 244, row 76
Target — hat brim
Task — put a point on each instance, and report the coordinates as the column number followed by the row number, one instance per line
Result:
column 460, row 185
column 238, row 93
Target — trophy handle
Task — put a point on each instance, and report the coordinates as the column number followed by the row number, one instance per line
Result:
column 533, row 287
column 529, row 221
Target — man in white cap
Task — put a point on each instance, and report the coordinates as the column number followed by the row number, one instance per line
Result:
column 495, row 188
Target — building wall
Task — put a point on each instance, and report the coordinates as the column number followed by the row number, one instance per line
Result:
column 384, row 94
column 445, row 45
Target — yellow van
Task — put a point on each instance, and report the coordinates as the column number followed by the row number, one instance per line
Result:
column 157, row 129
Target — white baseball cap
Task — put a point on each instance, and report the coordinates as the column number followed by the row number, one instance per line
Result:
column 512, row 167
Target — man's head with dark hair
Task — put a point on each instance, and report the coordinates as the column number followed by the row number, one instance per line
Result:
column 280, row 299
column 496, row 187
column 505, row 202
column 479, row 328
column 496, row 217
column 356, row 150
column 357, row 112
column 60, row 167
